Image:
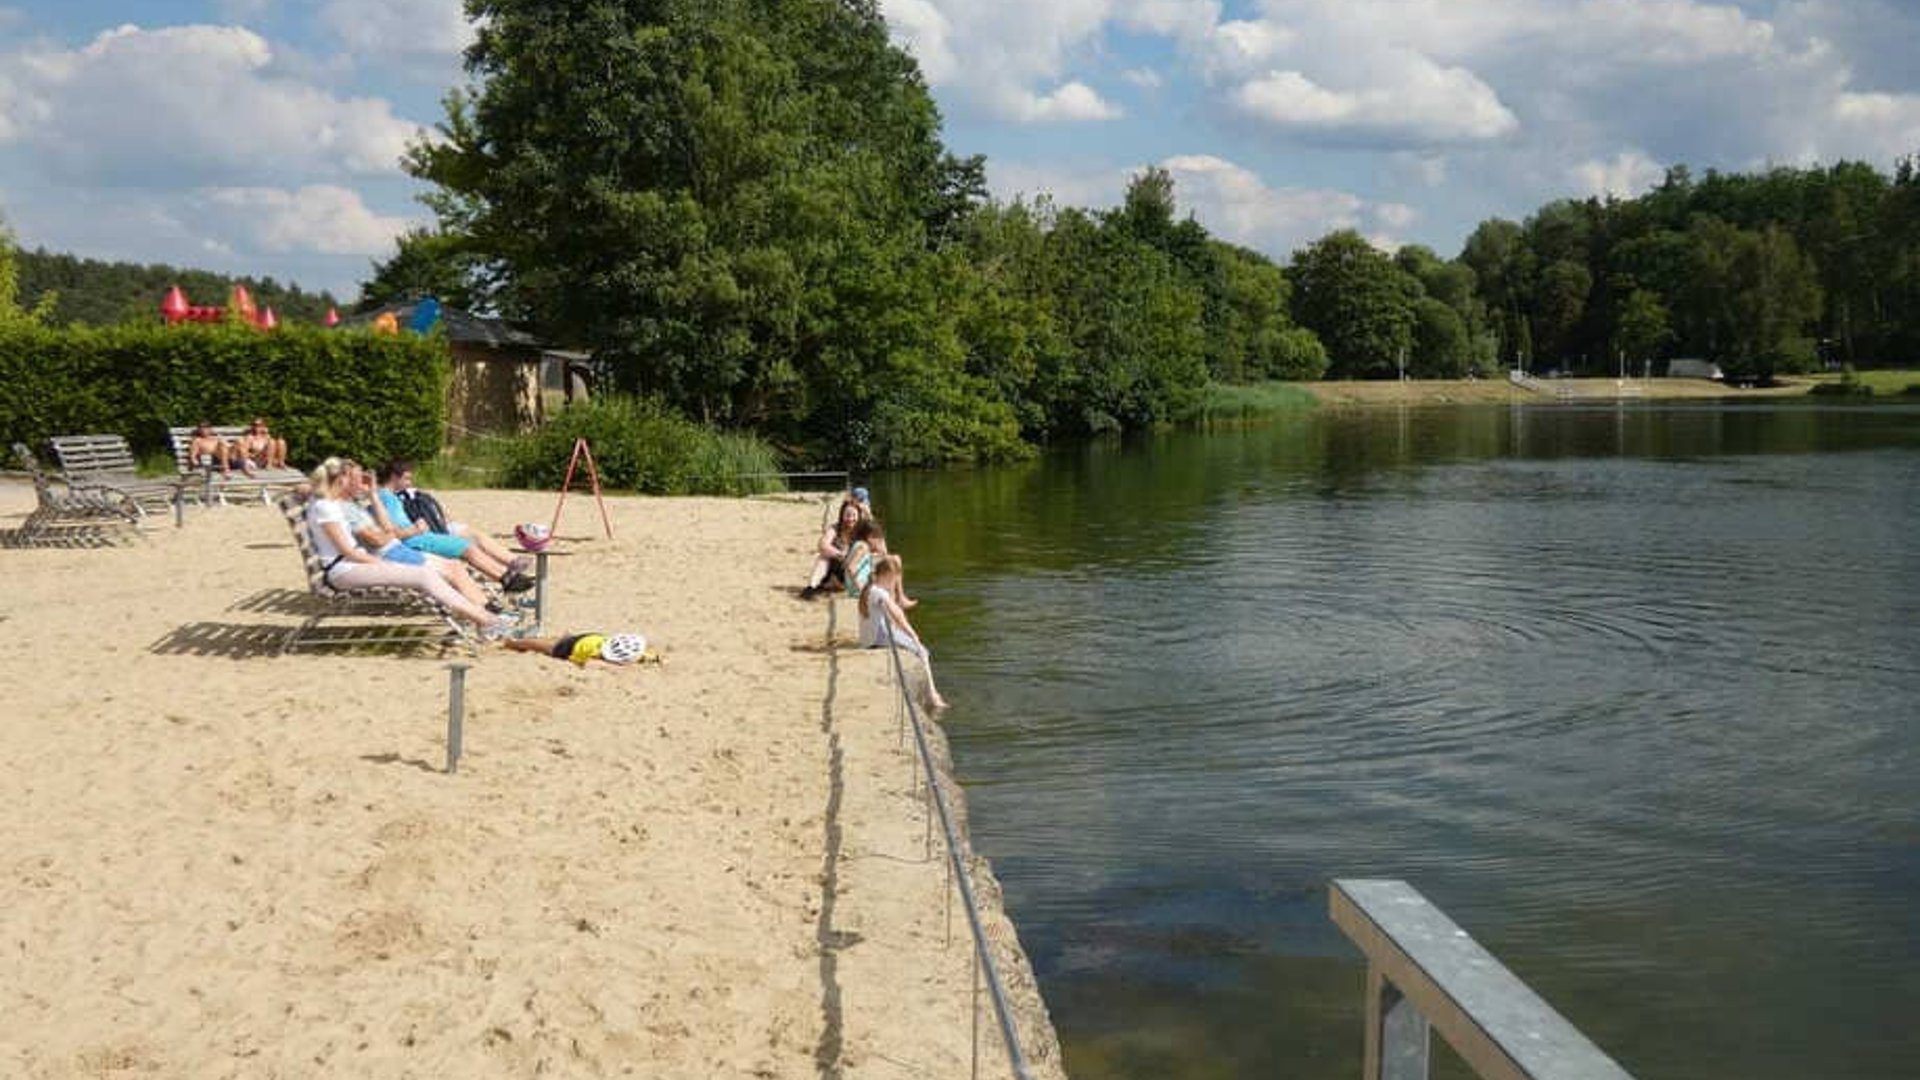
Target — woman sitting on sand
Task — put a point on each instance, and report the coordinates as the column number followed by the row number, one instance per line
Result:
column 883, row 622
column 350, row 567
column 830, row 565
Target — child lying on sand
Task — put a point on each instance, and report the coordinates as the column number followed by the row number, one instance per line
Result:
column 618, row 649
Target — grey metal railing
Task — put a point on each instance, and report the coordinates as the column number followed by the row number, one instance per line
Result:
column 1423, row 972
column 958, row 865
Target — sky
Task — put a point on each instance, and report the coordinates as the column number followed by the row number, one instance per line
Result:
column 263, row 136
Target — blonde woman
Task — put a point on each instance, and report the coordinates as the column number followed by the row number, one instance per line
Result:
column 348, row 566
column 883, row 622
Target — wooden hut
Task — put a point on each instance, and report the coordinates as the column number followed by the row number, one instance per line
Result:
column 504, row 379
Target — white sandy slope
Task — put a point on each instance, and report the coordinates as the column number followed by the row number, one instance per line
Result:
column 216, row 861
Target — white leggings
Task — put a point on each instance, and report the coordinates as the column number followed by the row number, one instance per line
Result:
column 348, row 574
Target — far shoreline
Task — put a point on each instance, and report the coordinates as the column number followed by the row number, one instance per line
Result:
column 1500, row 391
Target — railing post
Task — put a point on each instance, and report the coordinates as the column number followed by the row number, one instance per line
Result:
column 456, row 712
column 1397, row 1039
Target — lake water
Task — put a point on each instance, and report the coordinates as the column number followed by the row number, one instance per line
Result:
column 1632, row 694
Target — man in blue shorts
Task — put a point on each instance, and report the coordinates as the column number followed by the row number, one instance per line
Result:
column 476, row 549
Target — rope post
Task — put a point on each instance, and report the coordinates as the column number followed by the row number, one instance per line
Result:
column 180, row 504
column 456, row 709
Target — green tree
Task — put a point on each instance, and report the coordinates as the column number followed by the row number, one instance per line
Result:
column 1560, row 303
column 431, row 262
column 1642, row 327
column 1503, row 269
column 1357, row 302
column 1441, row 347
column 727, row 201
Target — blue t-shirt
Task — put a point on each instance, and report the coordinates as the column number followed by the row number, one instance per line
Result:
column 396, row 510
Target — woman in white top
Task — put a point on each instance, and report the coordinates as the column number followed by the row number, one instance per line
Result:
column 351, row 567
column 884, row 622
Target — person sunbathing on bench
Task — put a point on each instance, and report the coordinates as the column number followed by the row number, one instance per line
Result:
column 376, row 534
column 476, row 549
column 348, row 566
column 262, row 447
column 207, row 450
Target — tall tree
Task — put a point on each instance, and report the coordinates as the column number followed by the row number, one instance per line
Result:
column 723, row 199
column 1357, row 301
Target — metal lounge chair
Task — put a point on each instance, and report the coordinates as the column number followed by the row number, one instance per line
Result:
column 76, row 516
column 105, row 462
column 377, row 601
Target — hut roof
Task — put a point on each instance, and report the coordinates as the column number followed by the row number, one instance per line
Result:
column 463, row 327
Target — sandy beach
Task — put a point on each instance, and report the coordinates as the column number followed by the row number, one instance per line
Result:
column 223, row 862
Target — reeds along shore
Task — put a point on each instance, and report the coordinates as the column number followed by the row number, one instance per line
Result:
column 220, row 861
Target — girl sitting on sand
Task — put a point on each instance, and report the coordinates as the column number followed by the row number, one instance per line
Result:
column 616, row 649
column 830, row 565
column 868, row 548
column 883, row 622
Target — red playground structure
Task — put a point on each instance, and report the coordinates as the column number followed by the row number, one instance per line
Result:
column 175, row 309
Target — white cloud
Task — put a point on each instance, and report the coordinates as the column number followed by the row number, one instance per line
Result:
column 1073, row 101
column 1244, row 47
column 1144, row 78
column 1236, row 205
column 1018, row 60
column 920, row 28
column 1888, row 123
column 320, row 218
column 1423, row 103
column 398, row 27
column 1629, row 174
column 1395, row 215
column 186, row 105
column 1187, row 20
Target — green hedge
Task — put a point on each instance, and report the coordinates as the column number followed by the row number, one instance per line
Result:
column 372, row 396
column 644, row 446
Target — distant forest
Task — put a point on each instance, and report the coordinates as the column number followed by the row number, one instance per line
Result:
column 89, row 292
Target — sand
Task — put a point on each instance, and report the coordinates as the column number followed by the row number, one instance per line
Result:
column 218, row 861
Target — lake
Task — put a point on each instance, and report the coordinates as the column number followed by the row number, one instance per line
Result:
column 1633, row 694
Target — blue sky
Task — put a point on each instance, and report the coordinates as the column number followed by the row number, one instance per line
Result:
column 261, row 136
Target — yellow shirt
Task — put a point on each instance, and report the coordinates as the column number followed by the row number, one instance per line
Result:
column 587, row 648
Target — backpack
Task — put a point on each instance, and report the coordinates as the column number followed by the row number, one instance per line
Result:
column 421, row 506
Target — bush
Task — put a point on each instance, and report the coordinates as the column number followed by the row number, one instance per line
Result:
column 372, row 396
column 641, row 445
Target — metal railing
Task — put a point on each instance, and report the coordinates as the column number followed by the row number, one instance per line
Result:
column 958, row 875
column 1423, row 972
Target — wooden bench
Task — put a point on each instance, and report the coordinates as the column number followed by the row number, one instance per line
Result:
column 105, row 463
column 210, row 485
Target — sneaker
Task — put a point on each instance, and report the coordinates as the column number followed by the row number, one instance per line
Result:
column 519, row 564
column 516, row 582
